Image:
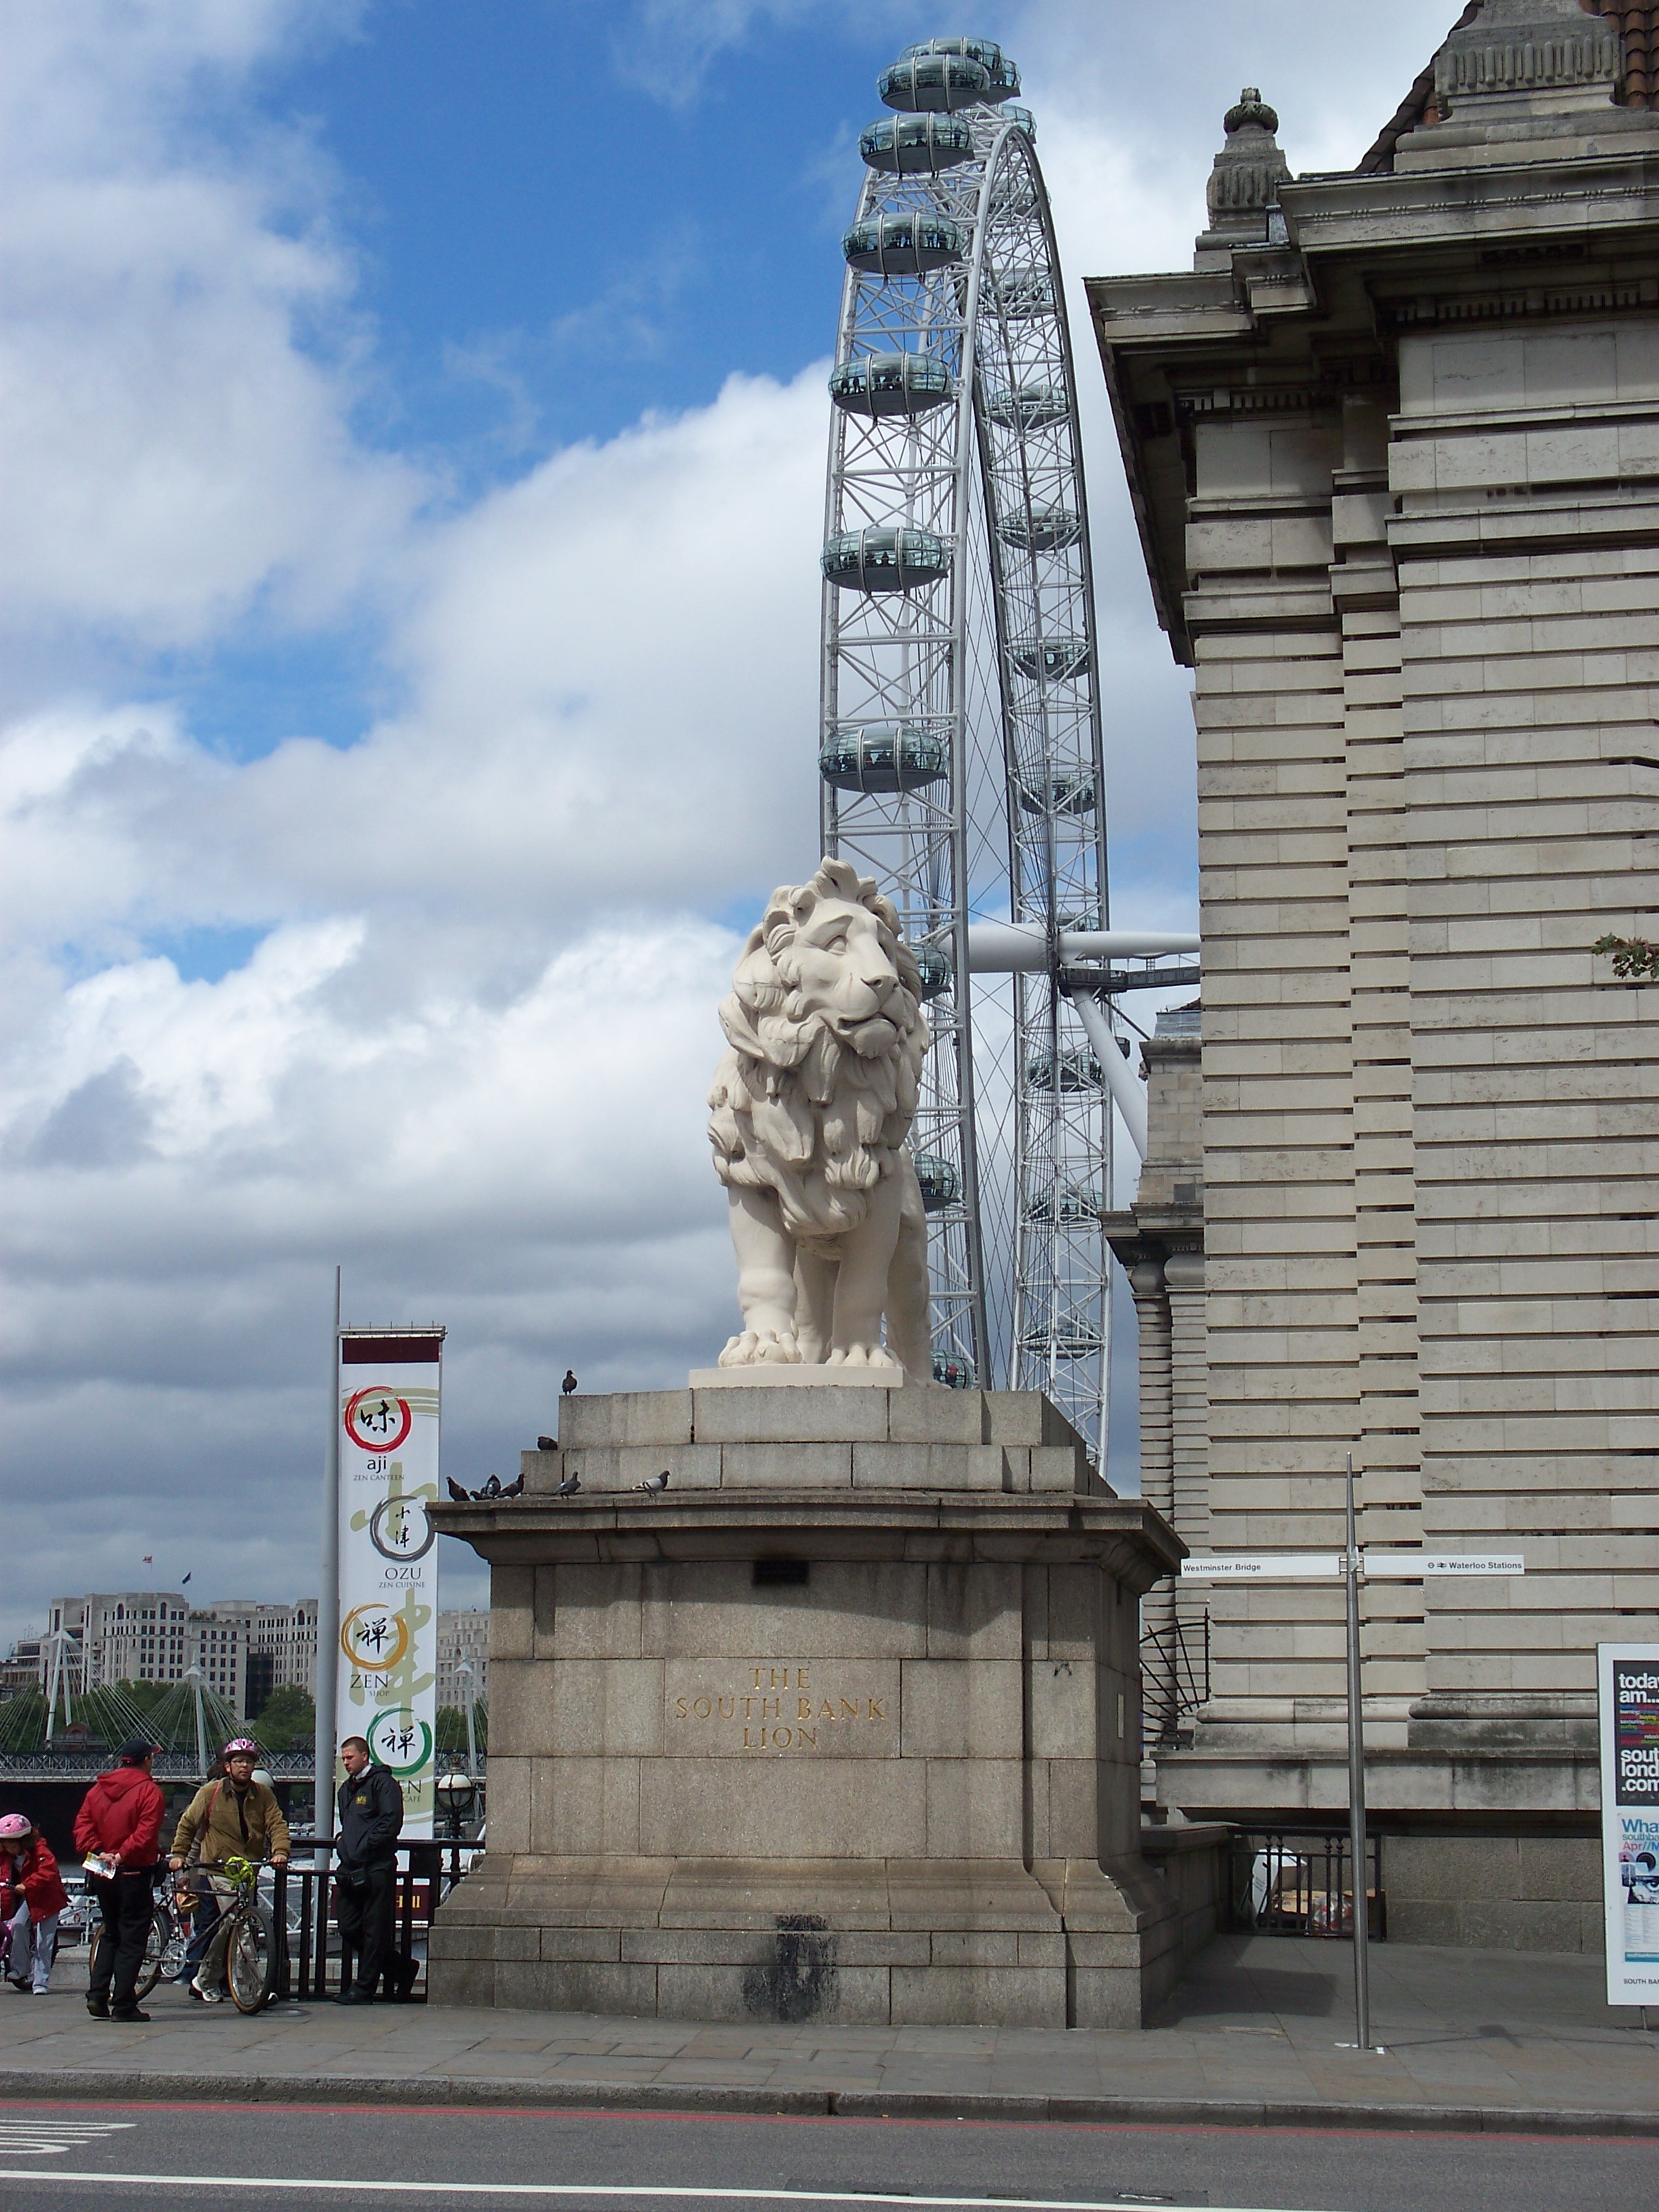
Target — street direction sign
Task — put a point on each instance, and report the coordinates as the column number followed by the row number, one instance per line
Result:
column 1265, row 1567
column 1333, row 1566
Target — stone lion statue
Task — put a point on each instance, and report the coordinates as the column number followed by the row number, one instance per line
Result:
column 812, row 1106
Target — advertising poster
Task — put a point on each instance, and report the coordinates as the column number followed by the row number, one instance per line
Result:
column 389, row 1388
column 1627, row 1684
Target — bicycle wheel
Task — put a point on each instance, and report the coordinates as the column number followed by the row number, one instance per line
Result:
column 155, row 1952
column 251, row 1958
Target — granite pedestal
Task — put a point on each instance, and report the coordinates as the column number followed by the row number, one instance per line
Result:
column 842, row 1724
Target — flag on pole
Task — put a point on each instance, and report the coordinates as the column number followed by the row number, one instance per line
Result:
column 149, row 1561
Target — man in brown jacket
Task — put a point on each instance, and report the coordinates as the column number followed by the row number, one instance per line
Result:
column 235, row 1817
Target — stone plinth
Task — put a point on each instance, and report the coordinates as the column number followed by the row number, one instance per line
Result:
column 842, row 1724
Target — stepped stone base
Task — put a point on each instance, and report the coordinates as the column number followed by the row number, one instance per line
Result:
column 843, row 1724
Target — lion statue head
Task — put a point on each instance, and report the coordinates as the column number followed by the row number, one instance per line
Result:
column 815, row 1096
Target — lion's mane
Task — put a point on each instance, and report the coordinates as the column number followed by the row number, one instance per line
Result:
column 796, row 1110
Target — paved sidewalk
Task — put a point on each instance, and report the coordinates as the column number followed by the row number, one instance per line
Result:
column 1475, row 2039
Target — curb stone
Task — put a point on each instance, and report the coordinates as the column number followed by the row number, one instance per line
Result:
column 107, row 2086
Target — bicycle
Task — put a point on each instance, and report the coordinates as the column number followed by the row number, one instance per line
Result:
column 246, row 1939
column 167, row 1941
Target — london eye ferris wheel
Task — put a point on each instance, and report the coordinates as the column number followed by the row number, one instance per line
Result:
column 960, row 741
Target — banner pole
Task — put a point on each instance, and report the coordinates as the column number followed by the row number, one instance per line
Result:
column 1362, row 1995
column 328, row 1605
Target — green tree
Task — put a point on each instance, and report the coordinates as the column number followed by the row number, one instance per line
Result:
column 451, row 1727
column 289, row 1721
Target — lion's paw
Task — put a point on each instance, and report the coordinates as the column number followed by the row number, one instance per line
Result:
column 860, row 1355
column 763, row 1347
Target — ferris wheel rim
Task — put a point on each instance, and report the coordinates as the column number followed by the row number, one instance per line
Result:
column 1044, row 662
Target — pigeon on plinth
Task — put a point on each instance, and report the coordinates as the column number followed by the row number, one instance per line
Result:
column 655, row 1483
column 569, row 1486
column 569, row 1382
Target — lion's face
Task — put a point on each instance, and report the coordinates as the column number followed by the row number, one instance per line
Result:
column 839, row 967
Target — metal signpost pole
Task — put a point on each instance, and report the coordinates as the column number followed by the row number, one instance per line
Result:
column 1398, row 1565
column 1362, row 1994
column 328, row 1606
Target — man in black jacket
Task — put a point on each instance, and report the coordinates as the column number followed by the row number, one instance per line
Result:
column 371, row 1809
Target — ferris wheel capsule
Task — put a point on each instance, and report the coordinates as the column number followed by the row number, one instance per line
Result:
column 916, row 145
column 937, row 972
column 941, row 1186
column 1053, row 660
column 903, row 245
column 1057, row 794
column 1019, row 295
column 891, row 384
column 934, row 84
column 1041, row 529
column 1027, row 407
column 883, row 756
column 1001, row 78
column 893, row 558
column 1079, row 1069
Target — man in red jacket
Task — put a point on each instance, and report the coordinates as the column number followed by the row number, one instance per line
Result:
column 120, row 1825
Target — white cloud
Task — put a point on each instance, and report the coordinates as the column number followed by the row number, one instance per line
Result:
column 469, row 1056
column 176, row 356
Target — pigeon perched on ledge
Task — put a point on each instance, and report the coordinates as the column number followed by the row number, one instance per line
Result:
column 569, row 1486
column 569, row 1382
column 492, row 1489
column 654, row 1482
column 547, row 1443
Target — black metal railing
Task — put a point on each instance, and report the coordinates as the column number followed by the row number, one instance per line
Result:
column 313, row 1962
column 1174, row 1677
column 1299, row 1882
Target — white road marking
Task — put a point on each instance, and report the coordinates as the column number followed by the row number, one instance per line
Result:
column 476, row 2188
column 51, row 2137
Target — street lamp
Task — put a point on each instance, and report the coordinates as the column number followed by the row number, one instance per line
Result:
column 455, row 1792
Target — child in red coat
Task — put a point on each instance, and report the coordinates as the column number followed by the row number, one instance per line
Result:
column 33, row 1897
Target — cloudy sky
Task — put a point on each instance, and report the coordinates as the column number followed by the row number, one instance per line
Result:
column 413, row 439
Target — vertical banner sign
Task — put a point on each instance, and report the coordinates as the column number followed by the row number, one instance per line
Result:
column 390, row 1383
column 1627, row 1686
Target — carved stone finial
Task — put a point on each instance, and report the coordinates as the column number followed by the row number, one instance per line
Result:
column 1245, row 178
column 1251, row 108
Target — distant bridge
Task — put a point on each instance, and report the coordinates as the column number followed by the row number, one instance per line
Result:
column 170, row 1766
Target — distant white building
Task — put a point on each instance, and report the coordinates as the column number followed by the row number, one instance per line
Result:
column 463, row 1636
column 145, row 1636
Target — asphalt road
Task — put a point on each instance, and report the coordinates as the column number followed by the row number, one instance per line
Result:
column 108, row 2158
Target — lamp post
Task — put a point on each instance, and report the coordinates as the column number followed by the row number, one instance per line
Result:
column 465, row 1672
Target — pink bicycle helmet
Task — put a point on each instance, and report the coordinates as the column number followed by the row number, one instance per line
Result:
column 15, row 1826
column 240, row 1746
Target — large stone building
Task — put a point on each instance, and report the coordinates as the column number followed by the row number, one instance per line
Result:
column 463, row 1658
column 279, row 1647
column 1394, row 446
column 142, row 1635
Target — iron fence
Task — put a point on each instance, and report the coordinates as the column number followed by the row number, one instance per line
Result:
column 1174, row 1678
column 1299, row 1882
column 313, row 1963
